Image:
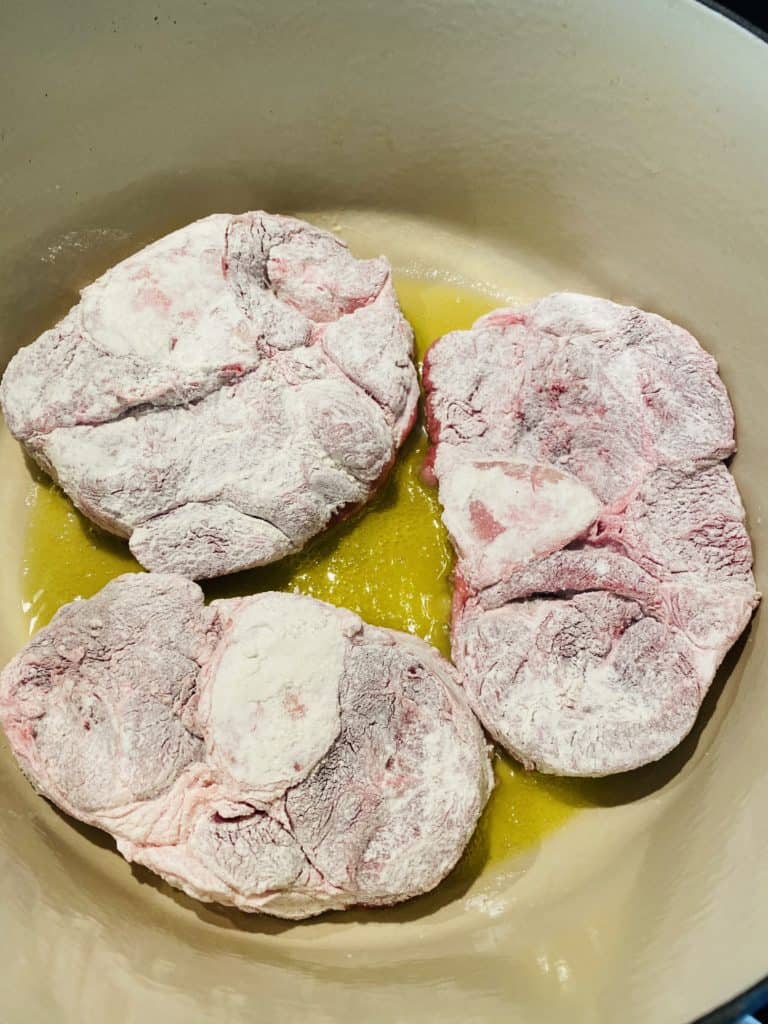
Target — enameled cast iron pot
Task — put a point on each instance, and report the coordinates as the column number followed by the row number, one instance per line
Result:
column 608, row 146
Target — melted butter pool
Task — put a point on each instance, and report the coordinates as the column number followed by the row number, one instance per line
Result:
column 390, row 563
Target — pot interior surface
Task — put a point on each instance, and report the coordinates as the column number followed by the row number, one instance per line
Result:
column 511, row 149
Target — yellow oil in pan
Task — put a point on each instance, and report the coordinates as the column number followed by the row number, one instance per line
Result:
column 390, row 563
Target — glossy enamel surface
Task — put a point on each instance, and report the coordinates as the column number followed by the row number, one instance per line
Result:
column 512, row 148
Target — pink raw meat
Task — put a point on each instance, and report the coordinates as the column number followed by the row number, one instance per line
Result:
column 221, row 396
column 273, row 753
column 604, row 568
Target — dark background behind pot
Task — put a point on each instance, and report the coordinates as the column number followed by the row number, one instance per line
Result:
column 756, row 13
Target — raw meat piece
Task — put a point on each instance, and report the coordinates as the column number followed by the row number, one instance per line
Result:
column 222, row 395
column 604, row 568
column 272, row 752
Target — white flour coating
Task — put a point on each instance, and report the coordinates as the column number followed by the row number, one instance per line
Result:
column 81, row 241
column 604, row 567
column 504, row 512
column 221, row 396
column 491, row 906
column 280, row 663
column 355, row 774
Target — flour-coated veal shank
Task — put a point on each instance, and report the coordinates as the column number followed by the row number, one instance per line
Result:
column 222, row 395
column 272, row 752
column 604, row 568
